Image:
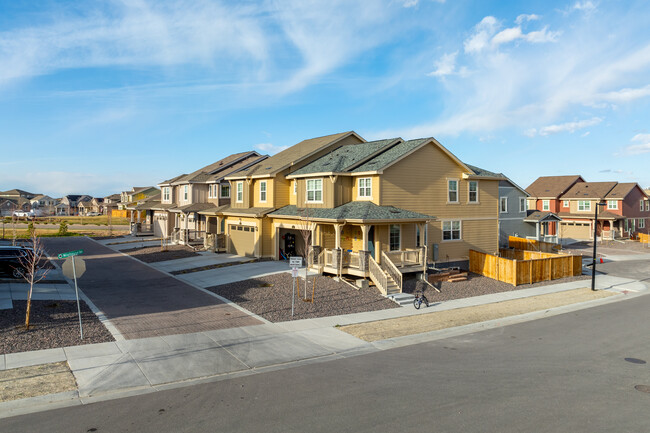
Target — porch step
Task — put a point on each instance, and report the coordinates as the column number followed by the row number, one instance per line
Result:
column 457, row 277
column 401, row 298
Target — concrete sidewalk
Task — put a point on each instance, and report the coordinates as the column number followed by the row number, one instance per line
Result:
column 128, row 367
column 205, row 259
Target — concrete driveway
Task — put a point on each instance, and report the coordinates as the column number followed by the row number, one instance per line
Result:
column 247, row 271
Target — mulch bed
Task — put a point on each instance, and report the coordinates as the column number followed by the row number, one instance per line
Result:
column 476, row 285
column 153, row 254
column 270, row 297
column 220, row 265
column 52, row 324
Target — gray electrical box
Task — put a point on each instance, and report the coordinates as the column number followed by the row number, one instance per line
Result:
column 434, row 252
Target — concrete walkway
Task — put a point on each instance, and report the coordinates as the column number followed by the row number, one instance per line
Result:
column 122, row 368
column 215, row 277
column 205, row 259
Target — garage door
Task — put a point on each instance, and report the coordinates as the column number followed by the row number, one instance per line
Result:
column 159, row 226
column 575, row 230
column 242, row 240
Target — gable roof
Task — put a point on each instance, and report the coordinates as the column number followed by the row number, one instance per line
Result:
column 552, row 186
column 219, row 168
column 621, row 190
column 538, row 216
column 390, row 156
column 346, row 157
column 587, row 190
column 294, row 154
column 354, row 211
column 16, row 192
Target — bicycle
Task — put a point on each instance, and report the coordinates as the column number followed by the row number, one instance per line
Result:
column 419, row 299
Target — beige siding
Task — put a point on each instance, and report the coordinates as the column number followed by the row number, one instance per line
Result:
column 573, row 208
column 246, row 202
column 199, row 193
column 269, row 193
column 328, row 194
column 282, row 192
column 342, row 190
column 268, row 238
column 575, row 230
column 419, row 183
column 292, row 196
column 354, row 193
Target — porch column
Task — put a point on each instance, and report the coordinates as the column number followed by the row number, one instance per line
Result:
column 337, row 231
column 537, row 230
column 337, row 253
column 365, row 230
column 186, row 228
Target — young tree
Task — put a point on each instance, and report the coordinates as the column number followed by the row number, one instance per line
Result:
column 306, row 228
column 33, row 269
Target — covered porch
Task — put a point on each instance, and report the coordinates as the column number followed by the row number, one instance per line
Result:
column 361, row 240
column 546, row 226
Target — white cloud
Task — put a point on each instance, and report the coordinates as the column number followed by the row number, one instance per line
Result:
column 483, row 31
column 586, row 6
column 569, row 127
column 269, row 148
column 624, row 95
column 507, row 35
column 445, row 66
column 526, row 17
column 642, row 145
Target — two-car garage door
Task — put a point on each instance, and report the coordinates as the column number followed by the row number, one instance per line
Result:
column 242, row 240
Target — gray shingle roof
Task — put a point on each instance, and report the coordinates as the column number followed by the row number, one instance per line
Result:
column 353, row 211
column 344, row 157
column 483, row 172
column 385, row 158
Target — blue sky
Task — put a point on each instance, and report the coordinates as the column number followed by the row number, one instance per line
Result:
column 96, row 97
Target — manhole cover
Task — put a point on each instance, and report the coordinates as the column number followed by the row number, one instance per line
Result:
column 635, row 360
column 643, row 388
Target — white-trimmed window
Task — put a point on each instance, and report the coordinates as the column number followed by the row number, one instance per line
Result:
column 503, row 204
column 641, row 205
column 642, row 223
column 240, row 192
column 472, row 191
column 565, row 203
column 166, row 193
column 365, row 187
column 546, row 205
column 612, row 204
column 394, row 237
column 522, row 204
column 186, row 189
column 647, row 205
column 451, row 230
column 315, row 190
column 224, row 190
column 452, row 191
column 262, row 191
column 212, row 190
column 584, row 205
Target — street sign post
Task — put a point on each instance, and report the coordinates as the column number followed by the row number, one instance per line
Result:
column 72, row 269
column 294, row 262
column 71, row 253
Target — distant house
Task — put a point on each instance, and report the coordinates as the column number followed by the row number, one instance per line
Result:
column 43, row 204
column 97, row 205
column 17, row 193
column 69, row 204
column 9, row 205
column 545, row 195
column 513, row 212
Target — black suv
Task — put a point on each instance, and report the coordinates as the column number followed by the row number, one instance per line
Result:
column 12, row 260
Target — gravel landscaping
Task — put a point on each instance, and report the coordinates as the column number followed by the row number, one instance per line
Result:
column 476, row 285
column 270, row 297
column 219, row 265
column 52, row 324
column 153, row 254
column 607, row 247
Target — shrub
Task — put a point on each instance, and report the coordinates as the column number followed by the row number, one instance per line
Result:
column 63, row 229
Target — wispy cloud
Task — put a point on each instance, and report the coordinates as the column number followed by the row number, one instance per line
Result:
column 569, row 127
column 641, row 145
column 270, row 148
column 445, row 66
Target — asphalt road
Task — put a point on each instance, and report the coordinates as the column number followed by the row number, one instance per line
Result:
column 566, row 373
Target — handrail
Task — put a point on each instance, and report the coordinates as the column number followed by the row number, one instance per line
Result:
column 392, row 270
column 377, row 275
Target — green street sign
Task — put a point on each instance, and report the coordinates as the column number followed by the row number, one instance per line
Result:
column 70, row 253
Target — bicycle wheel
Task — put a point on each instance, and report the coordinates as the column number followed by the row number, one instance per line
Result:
column 416, row 303
column 425, row 300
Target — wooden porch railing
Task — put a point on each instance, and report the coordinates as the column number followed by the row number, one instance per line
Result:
column 378, row 276
column 388, row 266
column 407, row 257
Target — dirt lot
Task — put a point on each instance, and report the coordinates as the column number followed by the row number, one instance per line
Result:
column 383, row 329
column 154, row 254
column 38, row 380
column 52, row 324
column 605, row 248
column 270, row 297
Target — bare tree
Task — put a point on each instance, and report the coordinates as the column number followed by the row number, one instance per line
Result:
column 14, row 234
column 33, row 270
column 306, row 227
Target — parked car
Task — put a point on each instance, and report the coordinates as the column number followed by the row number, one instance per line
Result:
column 93, row 214
column 13, row 260
column 24, row 214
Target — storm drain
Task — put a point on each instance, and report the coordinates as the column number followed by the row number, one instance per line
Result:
column 635, row 360
column 643, row 388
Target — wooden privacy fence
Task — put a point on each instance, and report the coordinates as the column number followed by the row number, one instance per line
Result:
column 643, row 238
column 532, row 245
column 526, row 270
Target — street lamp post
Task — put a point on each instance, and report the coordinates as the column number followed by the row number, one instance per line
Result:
column 593, row 263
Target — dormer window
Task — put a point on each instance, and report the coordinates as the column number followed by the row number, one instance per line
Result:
column 315, row 190
column 365, row 187
column 225, row 190
column 240, row 192
column 263, row 191
column 186, row 189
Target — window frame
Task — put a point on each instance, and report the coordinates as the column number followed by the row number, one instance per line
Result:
column 367, row 188
column 565, row 203
column 584, row 208
column 503, row 200
column 449, row 190
column 263, row 192
column 399, row 237
column 546, row 205
column 166, row 193
column 186, row 189
column 221, row 187
column 451, row 230
column 641, row 205
column 615, row 202
column 523, row 204
column 314, row 190
column 239, row 193
column 641, row 224
column 469, row 192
